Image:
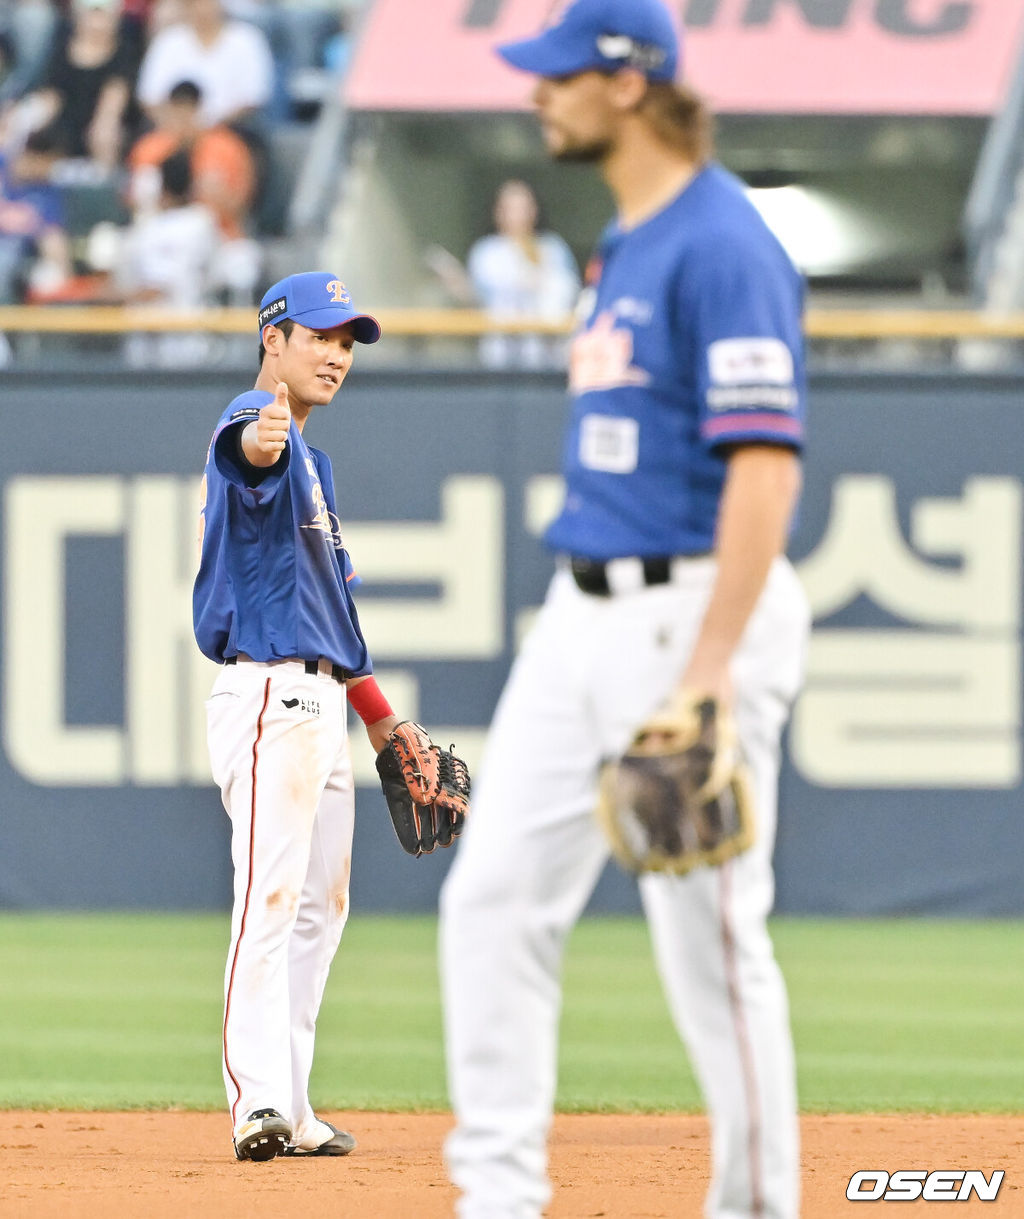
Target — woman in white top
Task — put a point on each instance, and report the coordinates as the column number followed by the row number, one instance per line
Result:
column 516, row 272
column 230, row 61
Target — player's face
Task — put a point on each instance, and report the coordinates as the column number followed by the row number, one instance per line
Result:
column 576, row 116
column 314, row 363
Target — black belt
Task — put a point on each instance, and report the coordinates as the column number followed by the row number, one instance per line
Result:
column 591, row 575
column 312, row 668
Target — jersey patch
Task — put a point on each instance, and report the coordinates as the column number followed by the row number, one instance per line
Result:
column 247, row 412
column 756, row 397
column 750, row 361
column 609, row 443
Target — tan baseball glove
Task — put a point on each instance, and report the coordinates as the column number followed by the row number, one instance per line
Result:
column 680, row 796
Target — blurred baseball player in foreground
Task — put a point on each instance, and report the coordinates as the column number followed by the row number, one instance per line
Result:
column 272, row 604
column 671, row 604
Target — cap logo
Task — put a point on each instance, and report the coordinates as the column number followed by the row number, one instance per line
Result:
column 274, row 310
column 640, row 55
column 340, row 292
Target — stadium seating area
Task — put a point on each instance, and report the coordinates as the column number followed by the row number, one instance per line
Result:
column 183, row 119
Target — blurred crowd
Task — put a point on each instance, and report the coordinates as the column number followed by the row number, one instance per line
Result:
column 136, row 141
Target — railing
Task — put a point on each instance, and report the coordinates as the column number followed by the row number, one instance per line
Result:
column 852, row 324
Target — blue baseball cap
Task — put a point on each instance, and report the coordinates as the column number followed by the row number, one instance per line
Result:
column 318, row 300
column 605, row 35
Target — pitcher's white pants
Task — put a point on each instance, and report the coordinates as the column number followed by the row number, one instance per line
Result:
column 286, row 781
column 591, row 670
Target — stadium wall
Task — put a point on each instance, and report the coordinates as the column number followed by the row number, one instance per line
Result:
column 902, row 786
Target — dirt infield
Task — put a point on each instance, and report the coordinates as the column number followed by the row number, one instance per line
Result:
column 180, row 1165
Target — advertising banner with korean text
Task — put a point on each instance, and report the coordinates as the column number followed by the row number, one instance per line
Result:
column 904, row 775
column 746, row 56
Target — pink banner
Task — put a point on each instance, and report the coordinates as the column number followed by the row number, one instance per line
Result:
column 746, row 56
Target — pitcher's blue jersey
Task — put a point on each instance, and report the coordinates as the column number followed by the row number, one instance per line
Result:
column 691, row 342
column 274, row 578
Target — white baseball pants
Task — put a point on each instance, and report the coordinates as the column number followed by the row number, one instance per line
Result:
column 591, row 670
column 279, row 751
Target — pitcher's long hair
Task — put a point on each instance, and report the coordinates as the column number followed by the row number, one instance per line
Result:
column 680, row 118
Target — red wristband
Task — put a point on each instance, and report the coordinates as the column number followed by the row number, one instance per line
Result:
column 367, row 701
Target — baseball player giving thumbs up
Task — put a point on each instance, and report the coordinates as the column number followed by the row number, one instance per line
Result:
column 272, row 604
column 672, row 636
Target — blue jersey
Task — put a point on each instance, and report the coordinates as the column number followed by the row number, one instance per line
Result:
column 274, row 576
column 691, row 342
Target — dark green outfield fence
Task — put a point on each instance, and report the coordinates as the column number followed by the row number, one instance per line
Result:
column 902, row 788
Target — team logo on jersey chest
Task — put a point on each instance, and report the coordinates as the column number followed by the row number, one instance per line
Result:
column 324, row 521
column 602, row 358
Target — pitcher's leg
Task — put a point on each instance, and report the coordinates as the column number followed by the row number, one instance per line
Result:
column 526, row 864
column 728, row 998
column 728, row 1001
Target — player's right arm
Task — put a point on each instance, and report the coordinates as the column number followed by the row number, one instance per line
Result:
column 762, row 485
column 266, row 437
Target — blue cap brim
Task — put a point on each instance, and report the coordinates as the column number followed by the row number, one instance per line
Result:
column 544, row 56
column 365, row 328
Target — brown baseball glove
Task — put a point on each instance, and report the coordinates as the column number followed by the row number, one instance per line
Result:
column 680, row 796
column 426, row 789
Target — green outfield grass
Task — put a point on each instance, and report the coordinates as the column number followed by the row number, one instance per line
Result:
column 118, row 1011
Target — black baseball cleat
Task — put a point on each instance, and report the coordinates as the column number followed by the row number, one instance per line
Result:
column 263, row 1135
column 339, row 1144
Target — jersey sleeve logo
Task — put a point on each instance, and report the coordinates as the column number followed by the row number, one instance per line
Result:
column 748, row 373
column 247, row 412
column 753, row 361
column 602, row 358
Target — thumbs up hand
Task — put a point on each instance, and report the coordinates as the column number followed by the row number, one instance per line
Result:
column 273, row 423
column 265, row 439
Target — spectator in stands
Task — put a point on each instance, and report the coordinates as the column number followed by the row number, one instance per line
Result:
column 157, row 15
column 223, row 179
column 338, row 48
column 299, row 33
column 87, row 88
column 34, row 246
column 223, row 172
column 164, row 261
column 8, row 62
column 230, row 61
column 518, row 271
column 167, row 250
column 28, row 28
